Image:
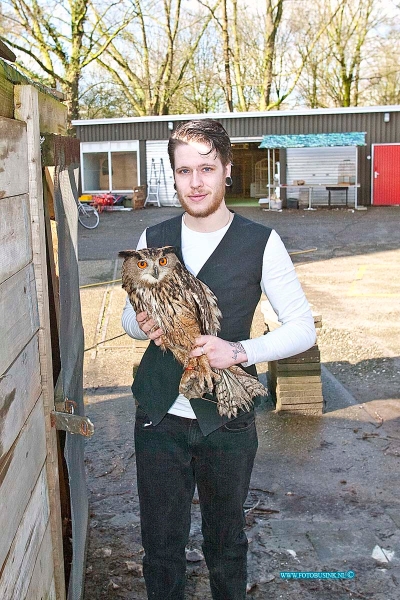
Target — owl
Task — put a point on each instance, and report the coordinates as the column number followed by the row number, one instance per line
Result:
column 185, row 308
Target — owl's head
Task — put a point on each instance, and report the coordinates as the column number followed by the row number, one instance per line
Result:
column 147, row 267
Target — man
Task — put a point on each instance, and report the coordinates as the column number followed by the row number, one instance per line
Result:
column 181, row 443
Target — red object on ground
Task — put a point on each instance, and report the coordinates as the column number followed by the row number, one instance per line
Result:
column 103, row 200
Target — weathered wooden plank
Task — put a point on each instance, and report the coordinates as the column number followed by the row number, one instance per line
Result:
column 60, row 150
column 27, row 109
column 302, row 361
column 6, row 53
column 312, row 355
column 299, row 387
column 299, row 368
column 20, row 563
column 301, row 409
column 13, row 158
column 52, row 113
column 42, row 582
column 298, row 379
column 289, row 400
column 15, row 235
column 6, row 98
column 48, row 189
column 19, row 316
column 19, row 471
column 52, row 594
column 20, row 388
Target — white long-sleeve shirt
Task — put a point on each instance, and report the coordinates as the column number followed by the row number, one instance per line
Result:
column 279, row 283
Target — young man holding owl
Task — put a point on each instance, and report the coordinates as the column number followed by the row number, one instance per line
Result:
column 179, row 442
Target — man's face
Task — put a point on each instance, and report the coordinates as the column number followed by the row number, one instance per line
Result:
column 199, row 178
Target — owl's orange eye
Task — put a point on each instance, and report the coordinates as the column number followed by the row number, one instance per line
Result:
column 142, row 264
column 163, row 261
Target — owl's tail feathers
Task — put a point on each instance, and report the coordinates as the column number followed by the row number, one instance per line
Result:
column 236, row 390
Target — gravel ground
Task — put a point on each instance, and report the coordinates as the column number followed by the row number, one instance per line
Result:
column 350, row 273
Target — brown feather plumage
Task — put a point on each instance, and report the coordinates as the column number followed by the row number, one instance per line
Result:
column 184, row 308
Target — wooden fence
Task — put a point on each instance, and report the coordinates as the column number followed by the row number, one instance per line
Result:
column 31, row 540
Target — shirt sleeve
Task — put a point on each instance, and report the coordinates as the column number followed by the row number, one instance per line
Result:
column 129, row 322
column 284, row 292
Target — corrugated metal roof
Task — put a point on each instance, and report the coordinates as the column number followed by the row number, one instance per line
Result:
column 314, row 140
column 246, row 115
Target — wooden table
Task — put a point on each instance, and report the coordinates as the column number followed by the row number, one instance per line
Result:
column 330, row 187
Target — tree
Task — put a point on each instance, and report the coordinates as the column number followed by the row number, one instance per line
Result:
column 273, row 18
column 57, row 40
column 151, row 59
column 382, row 86
column 265, row 66
column 101, row 99
column 201, row 90
column 339, row 66
column 347, row 36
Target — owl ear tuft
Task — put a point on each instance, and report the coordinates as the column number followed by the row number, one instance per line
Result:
column 169, row 250
column 129, row 254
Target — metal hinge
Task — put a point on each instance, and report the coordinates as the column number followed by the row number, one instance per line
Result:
column 64, row 418
column 72, row 423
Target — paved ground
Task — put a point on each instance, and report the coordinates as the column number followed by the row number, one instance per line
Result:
column 324, row 493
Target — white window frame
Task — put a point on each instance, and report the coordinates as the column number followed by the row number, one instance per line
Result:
column 108, row 147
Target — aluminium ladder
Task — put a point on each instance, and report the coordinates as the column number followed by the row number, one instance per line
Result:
column 157, row 177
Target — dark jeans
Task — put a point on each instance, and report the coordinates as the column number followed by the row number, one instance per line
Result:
column 171, row 458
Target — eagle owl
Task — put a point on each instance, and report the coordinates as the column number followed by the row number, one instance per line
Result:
column 185, row 308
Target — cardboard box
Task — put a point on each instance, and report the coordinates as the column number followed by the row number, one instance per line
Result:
column 139, row 191
column 138, row 203
column 139, row 196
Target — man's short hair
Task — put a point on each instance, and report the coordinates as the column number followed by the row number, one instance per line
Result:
column 205, row 131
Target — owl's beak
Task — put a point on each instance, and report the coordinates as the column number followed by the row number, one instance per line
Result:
column 155, row 272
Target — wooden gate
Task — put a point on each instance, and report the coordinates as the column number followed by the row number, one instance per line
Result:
column 31, row 557
column 31, row 538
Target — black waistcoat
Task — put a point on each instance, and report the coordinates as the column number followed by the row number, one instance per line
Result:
column 233, row 272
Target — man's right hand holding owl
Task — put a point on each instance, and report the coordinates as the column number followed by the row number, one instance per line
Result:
column 149, row 327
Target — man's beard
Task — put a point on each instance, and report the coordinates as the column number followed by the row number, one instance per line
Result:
column 219, row 195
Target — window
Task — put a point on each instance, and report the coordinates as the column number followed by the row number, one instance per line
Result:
column 124, row 170
column 109, row 166
column 95, row 169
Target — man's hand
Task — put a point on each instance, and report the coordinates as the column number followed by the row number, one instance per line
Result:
column 149, row 327
column 221, row 354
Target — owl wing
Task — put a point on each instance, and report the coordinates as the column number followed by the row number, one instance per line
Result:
column 198, row 295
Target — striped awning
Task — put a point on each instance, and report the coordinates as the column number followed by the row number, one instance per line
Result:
column 314, row 140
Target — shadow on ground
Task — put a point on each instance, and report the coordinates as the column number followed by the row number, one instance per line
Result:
column 323, row 497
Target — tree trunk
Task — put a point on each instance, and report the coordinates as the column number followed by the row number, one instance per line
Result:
column 237, row 61
column 273, row 17
column 71, row 90
column 226, row 52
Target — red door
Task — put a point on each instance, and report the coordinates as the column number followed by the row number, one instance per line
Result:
column 386, row 175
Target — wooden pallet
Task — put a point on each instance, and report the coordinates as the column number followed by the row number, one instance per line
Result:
column 295, row 382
